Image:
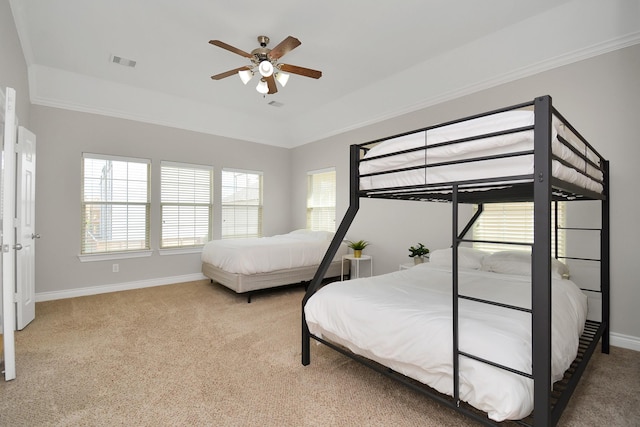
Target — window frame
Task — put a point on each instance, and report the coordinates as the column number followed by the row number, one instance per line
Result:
column 238, row 206
column 85, row 255
column 523, row 209
column 310, row 223
column 188, row 168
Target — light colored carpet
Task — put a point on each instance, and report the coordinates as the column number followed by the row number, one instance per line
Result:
column 197, row 354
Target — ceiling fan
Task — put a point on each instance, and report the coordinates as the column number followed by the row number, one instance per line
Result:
column 264, row 61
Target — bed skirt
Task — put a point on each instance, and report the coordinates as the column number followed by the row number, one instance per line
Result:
column 242, row 283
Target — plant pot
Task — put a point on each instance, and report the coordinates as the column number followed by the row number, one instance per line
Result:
column 357, row 253
column 418, row 260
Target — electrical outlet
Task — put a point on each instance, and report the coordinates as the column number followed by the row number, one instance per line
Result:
column 116, row 268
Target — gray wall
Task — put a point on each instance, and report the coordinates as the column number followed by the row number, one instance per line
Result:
column 599, row 96
column 62, row 138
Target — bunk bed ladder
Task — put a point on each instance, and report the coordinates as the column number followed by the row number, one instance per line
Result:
column 540, row 276
column 456, row 297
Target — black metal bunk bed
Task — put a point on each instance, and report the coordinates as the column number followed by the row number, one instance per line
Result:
column 542, row 188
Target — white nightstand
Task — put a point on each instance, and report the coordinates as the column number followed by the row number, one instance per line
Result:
column 407, row 265
column 357, row 262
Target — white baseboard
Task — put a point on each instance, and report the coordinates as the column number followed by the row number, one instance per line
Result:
column 103, row 289
column 625, row 341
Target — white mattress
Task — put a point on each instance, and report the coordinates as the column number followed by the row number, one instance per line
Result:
column 300, row 248
column 403, row 321
column 512, row 166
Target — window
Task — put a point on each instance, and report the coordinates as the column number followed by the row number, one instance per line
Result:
column 321, row 200
column 185, row 205
column 115, row 204
column 513, row 222
column 241, row 204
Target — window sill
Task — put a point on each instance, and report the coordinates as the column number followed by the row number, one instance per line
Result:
column 180, row 251
column 115, row 255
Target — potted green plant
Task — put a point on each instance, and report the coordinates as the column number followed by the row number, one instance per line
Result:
column 418, row 253
column 357, row 247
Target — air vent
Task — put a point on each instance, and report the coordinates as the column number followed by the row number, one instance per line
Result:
column 276, row 104
column 123, row 61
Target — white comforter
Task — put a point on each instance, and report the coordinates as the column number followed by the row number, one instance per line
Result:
column 403, row 320
column 300, row 248
column 475, row 149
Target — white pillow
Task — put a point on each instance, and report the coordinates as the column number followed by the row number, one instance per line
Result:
column 467, row 257
column 519, row 263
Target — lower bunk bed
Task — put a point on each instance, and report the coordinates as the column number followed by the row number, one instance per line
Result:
column 410, row 332
column 496, row 336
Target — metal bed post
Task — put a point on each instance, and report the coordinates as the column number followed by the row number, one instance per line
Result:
column 354, row 205
column 605, row 260
column 541, row 262
column 556, row 229
column 454, row 294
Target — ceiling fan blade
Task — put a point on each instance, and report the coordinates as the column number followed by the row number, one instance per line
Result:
column 294, row 69
column 271, row 83
column 231, row 48
column 284, row 47
column 229, row 73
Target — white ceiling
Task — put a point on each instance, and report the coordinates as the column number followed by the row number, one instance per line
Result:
column 379, row 58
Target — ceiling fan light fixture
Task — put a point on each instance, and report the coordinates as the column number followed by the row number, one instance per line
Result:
column 265, row 68
column 282, row 78
column 262, row 86
column 245, row 75
column 266, row 62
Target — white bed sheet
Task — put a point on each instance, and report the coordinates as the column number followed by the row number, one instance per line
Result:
column 299, row 248
column 509, row 143
column 403, row 320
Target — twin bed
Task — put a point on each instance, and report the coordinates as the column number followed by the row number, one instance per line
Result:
column 486, row 334
column 250, row 265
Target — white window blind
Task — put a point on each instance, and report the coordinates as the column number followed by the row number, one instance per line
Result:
column 321, row 200
column 115, row 204
column 513, row 222
column 241, row 204
column 186, row 207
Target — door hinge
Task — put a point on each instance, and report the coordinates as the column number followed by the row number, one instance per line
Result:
column 16, row 298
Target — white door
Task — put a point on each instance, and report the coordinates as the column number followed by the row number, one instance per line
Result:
column 25, row 227
column 7, row 238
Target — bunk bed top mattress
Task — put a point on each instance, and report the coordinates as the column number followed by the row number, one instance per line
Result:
column 403, row 320
column 299, row 248
column 579, row 173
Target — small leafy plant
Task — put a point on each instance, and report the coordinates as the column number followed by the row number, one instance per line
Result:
column 418, row 251
column 359, row 245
